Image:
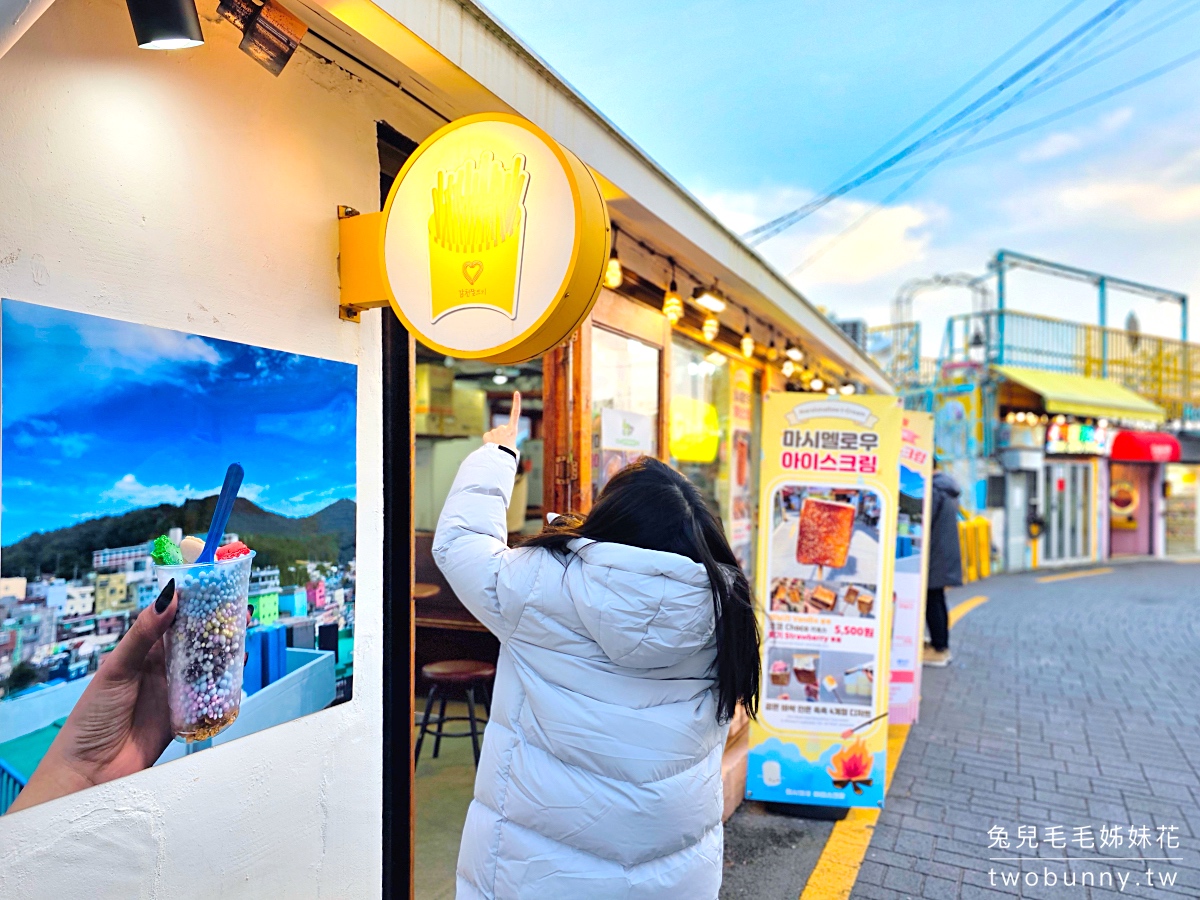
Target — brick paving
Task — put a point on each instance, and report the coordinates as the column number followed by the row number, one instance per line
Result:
column 1075, row 703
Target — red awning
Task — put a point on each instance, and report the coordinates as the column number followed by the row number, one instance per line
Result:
column 1145, row 446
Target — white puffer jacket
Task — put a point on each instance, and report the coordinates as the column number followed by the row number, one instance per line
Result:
column 600, row 775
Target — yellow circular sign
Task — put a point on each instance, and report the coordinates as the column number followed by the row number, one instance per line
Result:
column 494, row 240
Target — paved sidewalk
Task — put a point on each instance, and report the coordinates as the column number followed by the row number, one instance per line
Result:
column 1073, row 704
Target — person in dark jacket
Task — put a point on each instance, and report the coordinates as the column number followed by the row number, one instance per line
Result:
column 945, row 565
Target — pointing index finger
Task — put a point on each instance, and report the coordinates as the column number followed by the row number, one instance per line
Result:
column 514, row 418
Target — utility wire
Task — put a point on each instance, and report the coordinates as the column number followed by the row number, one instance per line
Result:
column 927, row 167
column 1045, row 85
column 961, row 90
column 769, row 229
column 1069, row 110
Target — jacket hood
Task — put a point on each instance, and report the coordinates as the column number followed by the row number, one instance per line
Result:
column 645, row 608
column 943, row 482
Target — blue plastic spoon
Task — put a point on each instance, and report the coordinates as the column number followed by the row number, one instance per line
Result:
column 224, row 509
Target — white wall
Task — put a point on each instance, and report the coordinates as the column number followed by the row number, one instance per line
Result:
column 192, row 190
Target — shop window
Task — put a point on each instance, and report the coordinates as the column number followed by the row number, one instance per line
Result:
column 699, row 384
column 624, row 403
column 714, row 435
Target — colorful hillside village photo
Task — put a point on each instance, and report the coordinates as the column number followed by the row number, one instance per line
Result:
column 93, row 473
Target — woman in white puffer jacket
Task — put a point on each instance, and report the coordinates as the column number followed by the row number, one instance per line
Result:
column 627, row 641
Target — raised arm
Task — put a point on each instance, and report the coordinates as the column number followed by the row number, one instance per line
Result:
column 471, row 543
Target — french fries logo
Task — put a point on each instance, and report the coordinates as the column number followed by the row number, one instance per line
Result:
column 477, row 235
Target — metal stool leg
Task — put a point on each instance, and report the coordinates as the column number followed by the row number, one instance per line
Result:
column 471, row 717
column 424, row 726
column 437, row 740
column 487, row 699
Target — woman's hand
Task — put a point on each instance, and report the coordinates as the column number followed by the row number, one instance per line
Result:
column 506, row 435
column 121, row 723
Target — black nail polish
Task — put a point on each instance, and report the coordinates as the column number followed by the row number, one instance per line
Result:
column 164, row 599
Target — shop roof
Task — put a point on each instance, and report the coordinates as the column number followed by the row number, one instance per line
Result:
column 454, row 58
column 1078, row 395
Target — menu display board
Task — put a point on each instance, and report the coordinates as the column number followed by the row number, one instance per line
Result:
column 827, row 532
column 912, row 566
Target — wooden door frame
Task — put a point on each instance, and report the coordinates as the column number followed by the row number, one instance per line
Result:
column 567, row 396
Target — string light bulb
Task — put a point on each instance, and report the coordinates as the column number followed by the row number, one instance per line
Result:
column 709, row 299
column 772, row 350
column 747, row 339
column 848, row 389
column 613, row 273
column 794, row 353
column 672, row 303
column 789, row 368
column 816, row 384
column 711, row 328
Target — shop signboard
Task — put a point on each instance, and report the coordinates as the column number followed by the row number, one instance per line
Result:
column 912, row 566
column 827, row 531
column 492, row 243
column 1076, row 439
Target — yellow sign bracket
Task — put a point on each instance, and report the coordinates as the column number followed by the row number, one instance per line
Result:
column 359, row 271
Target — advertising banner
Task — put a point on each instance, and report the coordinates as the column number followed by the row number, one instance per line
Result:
column 912, row 558
column 827, row 533
column 739, row 520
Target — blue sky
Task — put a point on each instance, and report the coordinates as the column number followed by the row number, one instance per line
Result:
column 757, row 106
column 101, row 417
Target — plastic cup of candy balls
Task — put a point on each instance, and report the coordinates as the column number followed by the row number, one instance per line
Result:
column 206, row 645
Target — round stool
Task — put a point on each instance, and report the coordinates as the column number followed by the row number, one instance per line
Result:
column 425, row 591
column 444, row 677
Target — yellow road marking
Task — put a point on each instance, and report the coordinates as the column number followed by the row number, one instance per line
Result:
column 837, row 869
column 965, row 607
column 836, row 872
column 1067, row 576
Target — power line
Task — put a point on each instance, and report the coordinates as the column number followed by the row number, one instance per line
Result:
column 1035, row 90
column 925, row 168
column 1070, row 110
column 961, row 90
column 769, row 229
column 919, row 172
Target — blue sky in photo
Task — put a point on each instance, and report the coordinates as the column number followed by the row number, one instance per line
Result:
column 101, row 417
column 758, row 106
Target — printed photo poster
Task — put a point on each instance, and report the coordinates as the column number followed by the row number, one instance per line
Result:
column 116, row 437
column 829, row 500
column 912, row 566
column 740, row 518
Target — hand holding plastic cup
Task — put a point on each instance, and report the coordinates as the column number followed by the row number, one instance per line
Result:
column 206, row 645
column 207, row 641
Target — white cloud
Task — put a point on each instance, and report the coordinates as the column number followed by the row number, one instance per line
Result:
column 141, row 349
column 1051, row 147
column 1061, row 143
column 40, row 432
column 890, row 239
column 887, row 241
column 1158, row 202
column 129, row 491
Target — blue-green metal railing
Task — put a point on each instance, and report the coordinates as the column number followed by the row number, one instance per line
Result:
column 1163, row 370
column 11, row 784
column 1008, row 259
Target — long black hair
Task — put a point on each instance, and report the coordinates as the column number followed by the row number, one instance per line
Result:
column 650, row 505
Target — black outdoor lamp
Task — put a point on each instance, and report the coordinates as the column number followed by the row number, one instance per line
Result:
column 165, row 24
